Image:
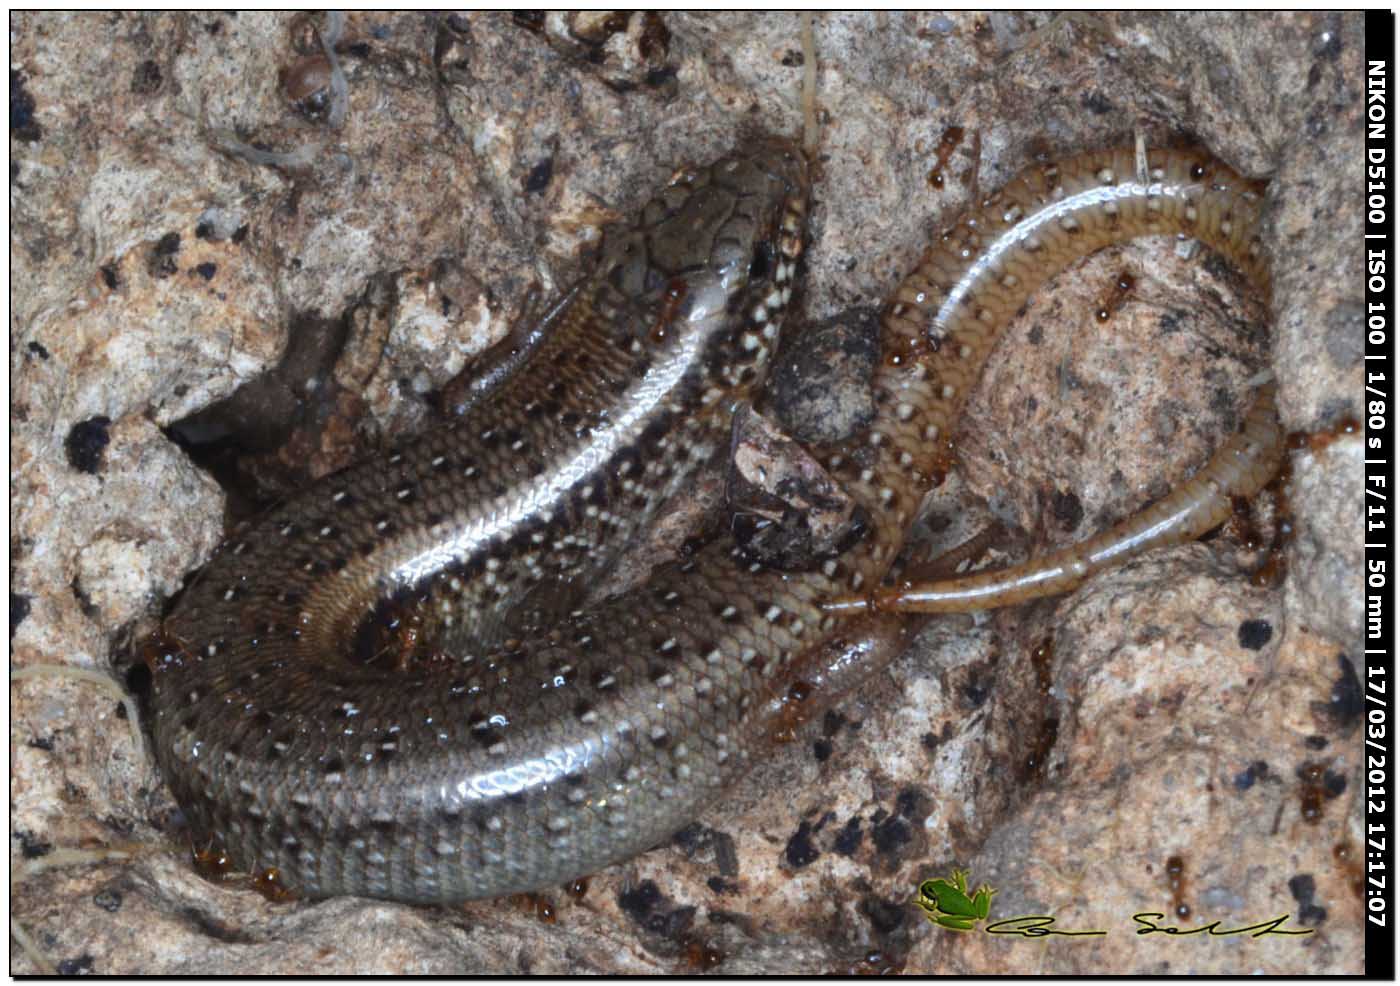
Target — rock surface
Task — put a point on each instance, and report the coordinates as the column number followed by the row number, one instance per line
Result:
column 1171, row 736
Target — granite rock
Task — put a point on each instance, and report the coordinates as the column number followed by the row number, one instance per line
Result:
column 1071, row 753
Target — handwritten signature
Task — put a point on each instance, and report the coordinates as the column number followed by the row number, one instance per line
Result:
column 1041, row 926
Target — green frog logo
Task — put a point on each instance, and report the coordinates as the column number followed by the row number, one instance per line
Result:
column 946, row 903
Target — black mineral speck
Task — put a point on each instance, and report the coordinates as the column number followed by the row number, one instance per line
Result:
column 1245, row 779
column 640, row 901
column 661, row 75
column 1316, row 742
column 1095, row 102
column 206, row 270
column 240, row 234
column 85, row 602
column 86, row 442
column 1312, row 915
column 1346, row 703
column 44, row 743
column 81, row 966
column 645, row 904
column 1067, row 510
column 690, row 838
column 976, row 691
column 32, row 846
column 108, row 899
column 1304, row 888
column 146, row 79
column 1329, row 45
column 540, row 176
column 19, row 609
column 821, row 749
column 109, row 276
column 722, row 886
column 850, row 837
column 1255, row 634
column 800, row 851
column 38, row 350
column 23, row 126
column 891, row 834
column 913, row 804
column 1333, row 784
column 162, row 262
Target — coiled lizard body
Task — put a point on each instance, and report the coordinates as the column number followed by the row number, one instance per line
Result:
column 534, row 754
